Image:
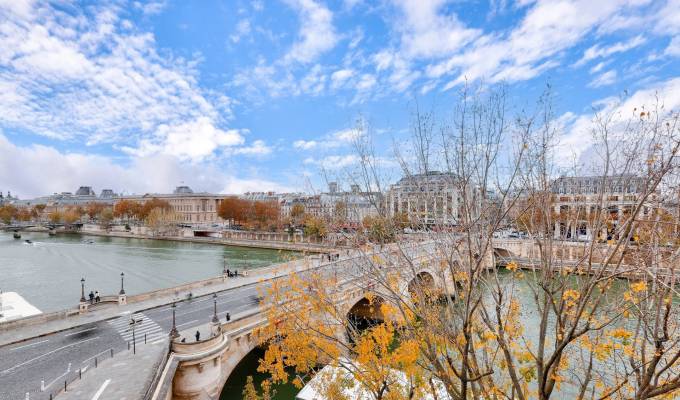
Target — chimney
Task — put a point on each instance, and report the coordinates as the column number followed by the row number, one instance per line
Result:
column 333, row 187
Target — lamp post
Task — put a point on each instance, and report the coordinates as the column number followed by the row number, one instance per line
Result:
column 82, row 290
column 122, row 289
column 173, row 332
column 214, row 318
column 133, row 323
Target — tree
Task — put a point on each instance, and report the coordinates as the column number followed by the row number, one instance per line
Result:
column 151, row 205
column 315, row 227
column 71, row 216
column 297, row 211
column 583, row 320
column 161, row 222
column 94, row 209
column 56, row 217
column 234, row 209
column 126, row 209
column 7, row 213
column 105, row 218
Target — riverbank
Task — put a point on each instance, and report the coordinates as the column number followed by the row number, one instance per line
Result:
column 260, row 244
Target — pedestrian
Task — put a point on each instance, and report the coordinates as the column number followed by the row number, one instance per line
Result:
column 228, row 273
column 228, row 317
column 184, row 340
column 91, row 297
column 96, row 296
column 236, row 273
column 198, row 336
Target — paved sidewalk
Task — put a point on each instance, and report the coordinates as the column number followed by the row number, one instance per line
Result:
column 126, row 376
column 19, row 334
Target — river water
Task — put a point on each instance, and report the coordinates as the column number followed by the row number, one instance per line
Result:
column 47, row 272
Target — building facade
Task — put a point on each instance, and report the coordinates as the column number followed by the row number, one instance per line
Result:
column 428, row 199
column 576, row 200
column 188, row 207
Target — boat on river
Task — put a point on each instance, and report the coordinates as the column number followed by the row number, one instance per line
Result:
column 28, row 241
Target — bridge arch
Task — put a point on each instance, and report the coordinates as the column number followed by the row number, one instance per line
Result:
column 502, row 256
column 422, row 285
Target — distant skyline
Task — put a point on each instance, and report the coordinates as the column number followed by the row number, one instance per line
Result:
column 237, row 96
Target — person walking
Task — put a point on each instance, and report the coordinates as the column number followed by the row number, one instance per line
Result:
column 228, row 317
column 91, row 297
column 198, row 336
column 96, row 296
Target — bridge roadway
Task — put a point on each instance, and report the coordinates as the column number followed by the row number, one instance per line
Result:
column 24, row 365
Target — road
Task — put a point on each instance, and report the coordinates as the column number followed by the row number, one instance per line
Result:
column 51, row 359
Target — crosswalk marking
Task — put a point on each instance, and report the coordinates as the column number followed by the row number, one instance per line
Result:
column 147, row 326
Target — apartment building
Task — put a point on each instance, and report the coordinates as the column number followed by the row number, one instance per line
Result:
column 431, row 198
column 576, row 201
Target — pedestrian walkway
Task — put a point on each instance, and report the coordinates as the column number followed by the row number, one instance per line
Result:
column 125, row 376
column 146, row 329
column 28, row 331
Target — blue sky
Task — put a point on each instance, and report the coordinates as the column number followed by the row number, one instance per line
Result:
column 235, row 96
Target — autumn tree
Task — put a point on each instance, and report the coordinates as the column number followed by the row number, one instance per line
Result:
column 8, row 212
column 315, row 227
column 563, row 319
column 105, row 218
column 94, row 209
column 126, row 209
column 234, row 209
column 56, row 217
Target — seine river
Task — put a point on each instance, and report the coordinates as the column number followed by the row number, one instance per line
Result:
column 47, row 272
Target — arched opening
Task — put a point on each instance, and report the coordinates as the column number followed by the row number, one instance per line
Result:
column 502, row 257
column 233, row 387
column 364, row 314
column 422, row 286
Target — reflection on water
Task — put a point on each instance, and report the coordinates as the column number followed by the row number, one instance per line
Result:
column 47, row 272
column 233, row 389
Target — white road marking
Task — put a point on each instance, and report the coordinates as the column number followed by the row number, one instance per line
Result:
column 187, row 323
column 29, row 345
column 101, row 389
column 46, row 354
column 84, row 330
column 158, row 341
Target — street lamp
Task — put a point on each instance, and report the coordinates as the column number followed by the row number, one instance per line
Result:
column 173, row 332
column 122, row 290
column 214, row 318
column 82, row 290
column 133, row 323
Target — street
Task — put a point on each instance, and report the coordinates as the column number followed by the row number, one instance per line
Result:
column 50, row 360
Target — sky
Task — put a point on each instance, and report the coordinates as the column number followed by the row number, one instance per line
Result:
column 237, row 96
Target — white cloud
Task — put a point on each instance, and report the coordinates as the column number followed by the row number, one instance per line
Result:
column 333, row 161
column 305, row 144
column 598, row 51
column 45, row 170
column 150, row 7
column 604, row 79
column 598, row 67
column 339, row 77
column 425, row 32
column 673, row 48
column 92, row 77
column 577, row 138
column 316, row 35
column 242, row 29
column 258, row 148
column 535, row 45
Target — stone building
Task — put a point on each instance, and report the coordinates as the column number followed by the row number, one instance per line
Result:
column 429, row 199
column 188, row 207
column 576, row 201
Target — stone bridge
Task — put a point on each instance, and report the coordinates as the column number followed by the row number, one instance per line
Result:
column 199, row 370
